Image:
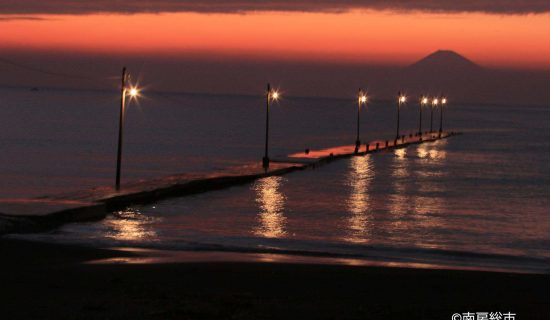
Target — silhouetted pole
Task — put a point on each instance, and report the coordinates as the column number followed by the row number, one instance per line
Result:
column 361, row 99
column 443, row 102
column 434, row 105
column 120, row 127
column 265, row 160
column 423, row 101
column 400, row 99
column 357, row 140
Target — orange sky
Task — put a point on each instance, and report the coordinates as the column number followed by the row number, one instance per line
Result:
column 518, row 41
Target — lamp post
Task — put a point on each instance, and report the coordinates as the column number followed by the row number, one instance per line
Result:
column 361, row 99
column 271, row 95
column 443, row 103
column 132, row 92
column 423, row 102
column 435, row 102
column 401, row 99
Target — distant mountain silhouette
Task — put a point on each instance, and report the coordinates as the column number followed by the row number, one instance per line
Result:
column 444, row 71
column 445, row 60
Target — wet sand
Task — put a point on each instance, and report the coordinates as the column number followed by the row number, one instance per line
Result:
column 47, row 281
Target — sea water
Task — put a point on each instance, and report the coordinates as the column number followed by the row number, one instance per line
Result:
column 476, row 199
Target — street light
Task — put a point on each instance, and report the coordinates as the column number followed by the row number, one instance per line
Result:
column 401, row 99
column 443, row 103
column 361, row 99
column 271, row 95
column 435, row 102
column 133, row 92
column 423, row 102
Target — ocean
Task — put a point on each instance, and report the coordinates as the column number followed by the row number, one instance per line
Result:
column 477, row 200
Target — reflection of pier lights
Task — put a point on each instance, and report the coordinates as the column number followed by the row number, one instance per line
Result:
column 398, row 200
column 271, row 202
column 358, row 204
column 271, row 95
column 361, row 100
column 133, row 92
column 130, row 225
column 433, row 151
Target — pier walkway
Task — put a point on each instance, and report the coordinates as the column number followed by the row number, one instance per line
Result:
column 42, row 213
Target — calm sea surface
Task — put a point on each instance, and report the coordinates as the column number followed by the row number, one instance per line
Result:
column 472, row 200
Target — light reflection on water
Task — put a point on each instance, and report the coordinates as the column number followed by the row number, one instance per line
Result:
column 415, row 203
column 484, row 192
column 398, row 200
column 359, row 213
column 429, row 202
column 271, row 203
column 130, row 225
column 428, row 196
column 433, row 151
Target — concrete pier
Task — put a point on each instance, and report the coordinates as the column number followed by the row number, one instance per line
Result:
column 30, row 215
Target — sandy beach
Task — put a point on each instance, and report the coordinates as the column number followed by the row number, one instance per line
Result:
column 47, row 281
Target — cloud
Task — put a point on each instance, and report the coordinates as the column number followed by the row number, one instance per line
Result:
column 17, row 17
column 18, row 7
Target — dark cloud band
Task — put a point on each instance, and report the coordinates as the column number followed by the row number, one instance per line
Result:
column 11, row 7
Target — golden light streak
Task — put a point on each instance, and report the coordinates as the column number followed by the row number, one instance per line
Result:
column 358, row 204
column 131, row 225
column 271, row 203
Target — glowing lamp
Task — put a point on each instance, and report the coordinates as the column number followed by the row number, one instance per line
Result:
column 134, row 92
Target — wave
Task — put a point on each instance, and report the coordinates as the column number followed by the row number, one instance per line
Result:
column 332, row 252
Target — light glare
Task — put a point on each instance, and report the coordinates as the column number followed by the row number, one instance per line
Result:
column 134, row 92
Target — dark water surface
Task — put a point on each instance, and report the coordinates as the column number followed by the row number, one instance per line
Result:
column 456, row 202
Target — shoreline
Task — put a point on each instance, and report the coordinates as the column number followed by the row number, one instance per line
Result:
column 52, row 281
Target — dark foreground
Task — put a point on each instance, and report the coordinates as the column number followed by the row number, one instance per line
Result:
column 43, row 281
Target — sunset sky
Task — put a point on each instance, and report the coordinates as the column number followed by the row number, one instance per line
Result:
column 348, row 32
column 500, row 34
